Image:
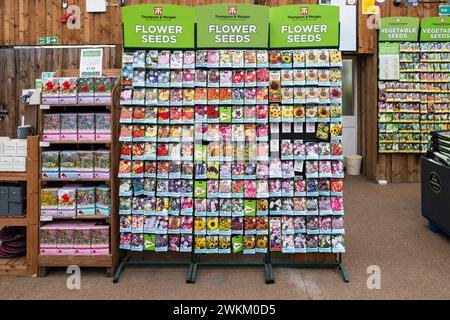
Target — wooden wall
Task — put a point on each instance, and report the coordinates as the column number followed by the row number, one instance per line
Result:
column 390, row 167
column 22, row 22
column 20, row 68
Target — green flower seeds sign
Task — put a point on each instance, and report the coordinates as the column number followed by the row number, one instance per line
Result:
column 435, row 29
column 304, row 26
column 232, row 25
column 158, row 26
column 399, row 29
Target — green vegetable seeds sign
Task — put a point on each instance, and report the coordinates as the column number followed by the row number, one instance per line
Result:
column 158, row 26
column 399, row 29
column 232, row 25
column 304, row 26
column 435, row 29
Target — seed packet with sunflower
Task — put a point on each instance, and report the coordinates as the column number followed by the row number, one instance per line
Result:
column 287, row 95
column 311, row 113
column 286, row 59
column 287, row 77
column 299, row 112
column 336, row 131
column 212, row 226
column 299, row 77
column 324, row 95
column 335, row 95
column 225, row 226
column 224, row 244
column 298, row 58
column 200, row 226
column 311, row 58
column 261, row 244
column 250, row 244
column 312, row 95
column 275, row 113
column 312, row 77
column 287, row 113
column 336, row 113
column 323, row 58
column 274, row 86
column 200, row 244
column 274, row 58
column 262, row 207
column 335, row 58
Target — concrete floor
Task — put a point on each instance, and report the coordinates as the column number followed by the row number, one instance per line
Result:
column 384, row 227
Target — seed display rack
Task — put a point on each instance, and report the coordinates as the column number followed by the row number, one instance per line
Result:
column 415, row 100
column 229, row 149
column 25, row 265
column 85, row 214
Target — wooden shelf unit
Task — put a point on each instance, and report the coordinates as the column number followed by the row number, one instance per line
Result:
column 25, row 265
column 111, row 261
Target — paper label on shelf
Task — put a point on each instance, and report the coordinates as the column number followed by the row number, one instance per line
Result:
column 91, row 63
column 44, row 107
column 44, row 144
column 158, row 26
column 298, row 127
column 389, row 61
column 46, row 218
column 304, row 26
column 399, row 29
column 232, row 25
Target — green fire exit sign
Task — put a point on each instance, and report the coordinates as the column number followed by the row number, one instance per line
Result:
column 48, row 40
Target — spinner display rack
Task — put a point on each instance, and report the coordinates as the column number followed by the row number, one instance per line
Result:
column 195, row 262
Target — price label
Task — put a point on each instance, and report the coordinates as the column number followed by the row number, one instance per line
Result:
column 44, row 107
column 298, row 127
column 286, row 128
column 44, row 144
column 46, row 218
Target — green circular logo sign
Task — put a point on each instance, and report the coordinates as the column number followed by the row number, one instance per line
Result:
column 435, row 182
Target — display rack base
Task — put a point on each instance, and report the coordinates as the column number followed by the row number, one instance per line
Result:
column 338, row 264
column 196, row 264
column 268, row 266
column 126, row 262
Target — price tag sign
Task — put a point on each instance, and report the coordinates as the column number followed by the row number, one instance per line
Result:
column 91, row 63
column 45, row 107
column 44, row 144
column 46, row 218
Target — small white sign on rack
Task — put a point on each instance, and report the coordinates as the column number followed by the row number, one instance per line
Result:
column 91, row 63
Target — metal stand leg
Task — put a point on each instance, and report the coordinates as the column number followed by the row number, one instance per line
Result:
column 342, row 269
column 122, row 265
column 268, row 268
column 193, row 268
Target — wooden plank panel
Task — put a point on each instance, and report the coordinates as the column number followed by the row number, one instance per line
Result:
column 41, row 20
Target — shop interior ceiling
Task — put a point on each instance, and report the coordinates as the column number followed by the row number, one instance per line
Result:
column 23, row 22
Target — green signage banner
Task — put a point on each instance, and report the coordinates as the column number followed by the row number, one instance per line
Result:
column 435, row 29
column 399, row 29
column 158, row 26
column 232, row 25
column 304, row 26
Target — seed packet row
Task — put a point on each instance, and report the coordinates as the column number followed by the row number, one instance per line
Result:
column 400, row 137
column 305, row 58
column 72, row 126
column 416, row 97
column 78, row 90
column 398, row 117
column 231, row 114
column 229, row 151
column 432, row 57
column 296, row 205
column 238, row 170
column 313, row 185
column 394, row 86
column 156, row 242
column 399, row 127
column 191, row 96
column 424, row 77
column 76, row 164
column 435, row 46
column 250, row 244
column 71, row 201
column 188, row 59
column 302, row 95
column 74, row 238
column 424, row 67
column 400, row 147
